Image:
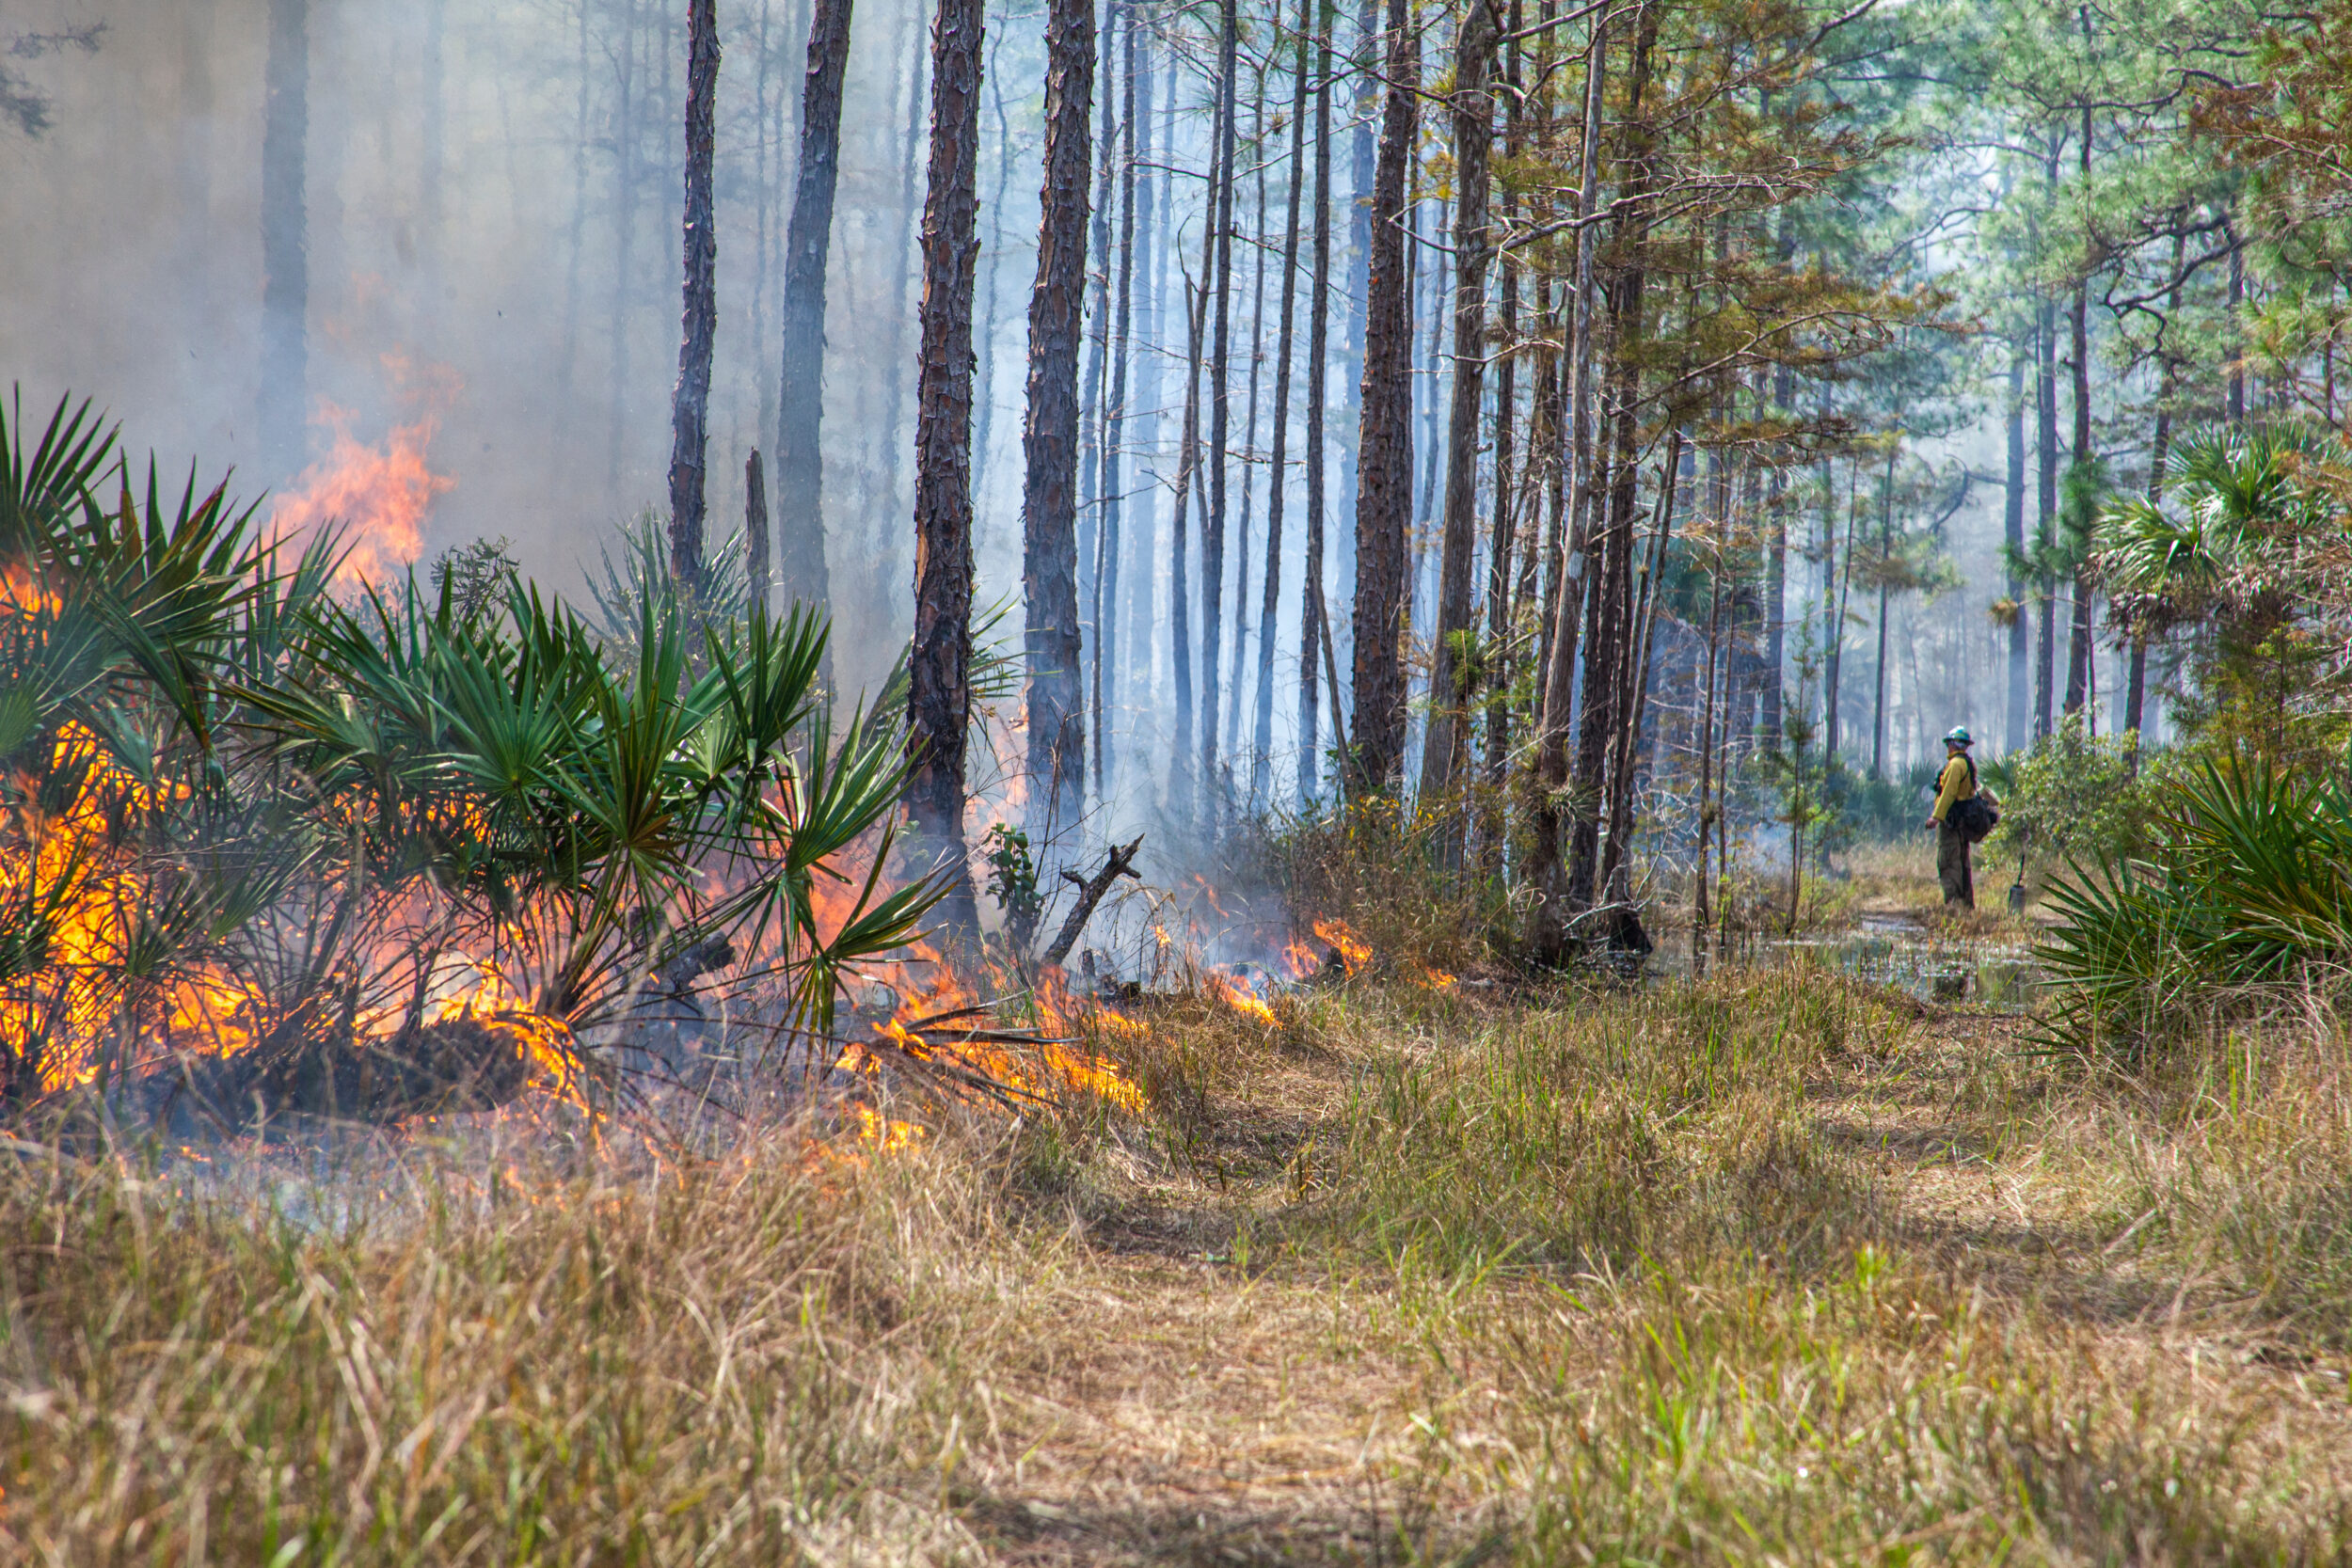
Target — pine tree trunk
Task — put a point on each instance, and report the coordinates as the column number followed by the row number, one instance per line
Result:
column 2159, row 453
column 1603, row 711
column 1144, row 421
column 1312, row 631
column 624, row 239
column 884, row 437
column 1234, row 709
column 1049, row 441
column 939, row 702
column 990, row 295
column 1709, row 814
column 1548, row 919
column 1095, row 415
column 1220, row 403
column 1180, row 799
column 690, row 403
column 1510, row 505
column 1363, row 161
column 1106, row 695
column 1262, row 754
column 285, row 239
column 1772, row 723
column 1447, row 742
column 2013, row 533
column 2086, row 461
column 808, row 238
column 2046, row 519
column 2235, row 330
column 1384, row 475
column 1878, row 669
column 763, row 191
column 1632, row 696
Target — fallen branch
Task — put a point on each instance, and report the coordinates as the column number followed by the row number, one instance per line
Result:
column 1090, row 891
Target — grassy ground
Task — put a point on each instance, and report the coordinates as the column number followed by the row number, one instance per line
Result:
column 1775, row 1268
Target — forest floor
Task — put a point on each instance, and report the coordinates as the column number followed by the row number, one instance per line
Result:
column 1774, row 1266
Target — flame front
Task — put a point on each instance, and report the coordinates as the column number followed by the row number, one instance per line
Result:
column 1241, row 1000
column 1354, row 951
column 378, row 494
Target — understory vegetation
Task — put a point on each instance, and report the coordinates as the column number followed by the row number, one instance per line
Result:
column 1775, row 1266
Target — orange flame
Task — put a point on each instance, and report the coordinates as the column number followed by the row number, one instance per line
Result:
column 1354, row 951
column 888, row 1135
column 380, row 494
column 1438, row 979
column 1241, row 1001
column 1046, row 1069
column 544, row 1040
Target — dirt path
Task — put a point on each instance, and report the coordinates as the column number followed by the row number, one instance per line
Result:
column 1178, row 1401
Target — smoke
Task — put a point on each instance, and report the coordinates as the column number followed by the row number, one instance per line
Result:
column 491, row 329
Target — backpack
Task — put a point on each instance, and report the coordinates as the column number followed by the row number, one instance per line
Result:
column 1975, row 818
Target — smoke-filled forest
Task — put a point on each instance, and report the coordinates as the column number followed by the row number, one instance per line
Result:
column 1175, row 780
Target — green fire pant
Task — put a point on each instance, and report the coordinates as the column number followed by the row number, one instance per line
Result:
column 1951, row 866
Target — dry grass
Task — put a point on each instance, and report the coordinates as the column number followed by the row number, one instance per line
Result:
column 1776, row 1268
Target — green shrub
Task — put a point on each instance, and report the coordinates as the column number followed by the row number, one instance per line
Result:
column 2247, row 882
column 2074, row 796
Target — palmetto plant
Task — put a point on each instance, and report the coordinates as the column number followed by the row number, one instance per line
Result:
column 2238, row 514
column 245, row 821
column 2248, row 884
column 2249, row 556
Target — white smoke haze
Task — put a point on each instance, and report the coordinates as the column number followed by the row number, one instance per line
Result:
column 474, row 266
column 490, row 223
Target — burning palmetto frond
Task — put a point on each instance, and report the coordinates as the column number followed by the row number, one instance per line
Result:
column 244, row 821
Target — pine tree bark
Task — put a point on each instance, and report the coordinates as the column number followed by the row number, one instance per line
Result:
column 2159, row 453
column 1109, row 543
column 763, row 215
column 1447, row 741
column 285, row 238
column 1256, row 348
column 1771, row 722
column 1511, row 500
column 1180, row 796
column 1220, row 403
column 808, row 238
column 1612, row 626
column 1144, row 418
column 905, row 244
column 1049, row 441
column 1877, row 668
column 2085, row 465
column 1261, row 754
column 1364, row 162
column 939, row 701
column 1312, row 631
column 1094, row 412
column 2046, row 519
column 990, row 295
column 1547, row 917
column 690, row 403
column 2013, row 533
column 1384, row 475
